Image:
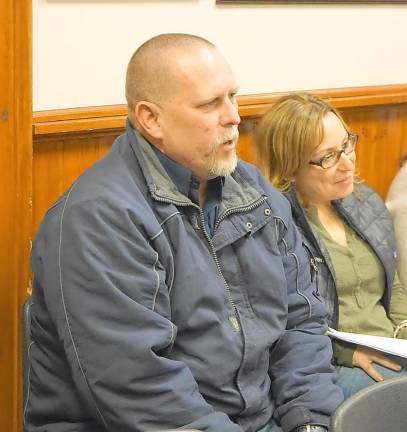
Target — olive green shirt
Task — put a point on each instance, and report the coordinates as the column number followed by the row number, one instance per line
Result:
column 360, row 284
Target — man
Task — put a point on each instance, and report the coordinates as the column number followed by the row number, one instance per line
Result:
column 171, row 289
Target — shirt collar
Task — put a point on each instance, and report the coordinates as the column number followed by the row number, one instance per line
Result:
column 186, row 182
column 181, row 176
column 183, row 179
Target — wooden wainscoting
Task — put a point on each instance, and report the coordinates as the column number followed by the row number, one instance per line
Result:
column 68, row 141
column 15, row 198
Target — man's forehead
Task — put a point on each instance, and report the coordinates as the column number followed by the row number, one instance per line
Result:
column 198, row 59
column 203, row 89
column 206, row 71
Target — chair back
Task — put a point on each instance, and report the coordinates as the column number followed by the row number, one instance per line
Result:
column 26, row 341
column 380, row 407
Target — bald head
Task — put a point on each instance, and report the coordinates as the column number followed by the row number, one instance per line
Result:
column 151, row 73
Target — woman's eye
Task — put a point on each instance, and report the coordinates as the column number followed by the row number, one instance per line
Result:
column 328, row 157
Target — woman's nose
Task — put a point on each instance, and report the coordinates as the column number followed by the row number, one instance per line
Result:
column 347, row 161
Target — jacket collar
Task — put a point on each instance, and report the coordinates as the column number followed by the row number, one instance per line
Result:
column 236, row 193
column 301, row 221
column 187, row 183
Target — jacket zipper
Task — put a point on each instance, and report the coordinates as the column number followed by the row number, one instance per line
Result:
column 233, row 319
column 315, row 262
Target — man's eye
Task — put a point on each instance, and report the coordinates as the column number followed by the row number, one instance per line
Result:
column 211, row 102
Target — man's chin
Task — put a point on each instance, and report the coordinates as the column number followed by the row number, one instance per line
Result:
column 223, row 169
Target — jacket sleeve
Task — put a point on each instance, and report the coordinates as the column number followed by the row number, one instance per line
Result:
column 397, row 205
column 303, row 378
column 114, row 319
column 343, row 353
column 398, row 307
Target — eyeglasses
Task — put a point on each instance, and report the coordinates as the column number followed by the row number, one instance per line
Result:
column 332, row 158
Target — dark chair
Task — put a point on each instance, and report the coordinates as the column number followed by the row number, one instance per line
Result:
column 380, row 407
column 26, row 342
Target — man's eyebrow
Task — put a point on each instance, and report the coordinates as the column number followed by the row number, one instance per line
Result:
column 202, row 102
column 209, row 99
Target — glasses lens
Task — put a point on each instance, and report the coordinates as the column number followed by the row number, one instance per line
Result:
column 350, row 143
column 330, row 160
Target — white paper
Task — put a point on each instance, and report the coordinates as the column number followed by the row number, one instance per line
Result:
column 390, row 345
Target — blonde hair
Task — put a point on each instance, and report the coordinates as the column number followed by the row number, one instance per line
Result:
column 288, row 134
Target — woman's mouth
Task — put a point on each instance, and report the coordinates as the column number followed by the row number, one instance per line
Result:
column 345, row 180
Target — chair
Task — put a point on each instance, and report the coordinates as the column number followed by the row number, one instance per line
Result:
column 380, row 407
column 26, row 342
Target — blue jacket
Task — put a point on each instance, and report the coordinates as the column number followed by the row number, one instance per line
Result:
column 141, row 321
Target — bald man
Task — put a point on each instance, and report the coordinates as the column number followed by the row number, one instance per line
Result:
column 171, row 289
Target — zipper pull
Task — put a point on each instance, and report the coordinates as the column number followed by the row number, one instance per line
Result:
column 314, row 261
column 235, row 323
column 314, row 277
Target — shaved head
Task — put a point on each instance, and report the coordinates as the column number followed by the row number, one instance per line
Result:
column 150, row 73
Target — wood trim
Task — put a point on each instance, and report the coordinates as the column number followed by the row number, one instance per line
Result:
column 111, row 117
column 308, row 2
column 23, row 165
column 15, row 194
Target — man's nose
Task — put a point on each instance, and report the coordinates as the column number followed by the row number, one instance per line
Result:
column 230, row 113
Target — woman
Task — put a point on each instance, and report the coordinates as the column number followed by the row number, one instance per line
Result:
column 308, row 152
column 397, row 204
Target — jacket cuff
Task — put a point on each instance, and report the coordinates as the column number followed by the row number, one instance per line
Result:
column 400, row 331
column 343, row 353
column 301, row 416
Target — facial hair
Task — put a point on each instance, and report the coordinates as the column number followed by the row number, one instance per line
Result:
column 218, row 166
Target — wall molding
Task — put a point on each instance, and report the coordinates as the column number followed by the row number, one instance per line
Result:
column 111, row 118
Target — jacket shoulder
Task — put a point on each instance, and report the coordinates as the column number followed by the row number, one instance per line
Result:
column 277, row 201
column 366, row 198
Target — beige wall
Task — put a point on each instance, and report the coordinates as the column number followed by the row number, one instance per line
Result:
column 81, row 47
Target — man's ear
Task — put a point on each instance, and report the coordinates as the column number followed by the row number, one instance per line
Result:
column 147, row 116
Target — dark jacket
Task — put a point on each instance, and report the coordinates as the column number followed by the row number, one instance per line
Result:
column 141, row 321
column 367, row 215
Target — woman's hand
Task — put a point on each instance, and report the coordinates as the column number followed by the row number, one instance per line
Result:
column 364, row 358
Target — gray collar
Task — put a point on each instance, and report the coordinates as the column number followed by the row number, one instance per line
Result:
column 237, row 191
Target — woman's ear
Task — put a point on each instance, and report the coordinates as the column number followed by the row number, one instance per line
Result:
column 289, row 179
column 147, row 116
